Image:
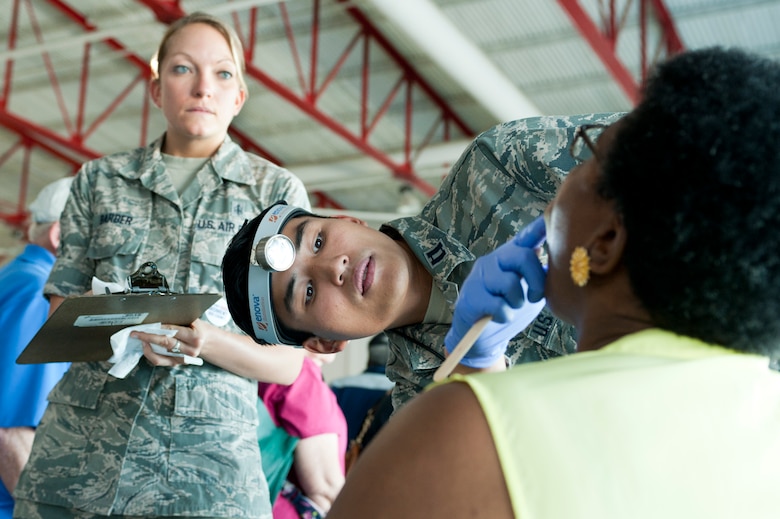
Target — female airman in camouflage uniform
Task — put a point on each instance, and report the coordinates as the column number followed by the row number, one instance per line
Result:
column 168, row 439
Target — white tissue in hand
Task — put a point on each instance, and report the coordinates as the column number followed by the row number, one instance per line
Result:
column 129, row 350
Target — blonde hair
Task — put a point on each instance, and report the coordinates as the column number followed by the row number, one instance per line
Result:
column 236, row 48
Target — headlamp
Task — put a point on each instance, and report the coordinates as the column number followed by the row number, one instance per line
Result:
column 271, row 252
column 275, row 253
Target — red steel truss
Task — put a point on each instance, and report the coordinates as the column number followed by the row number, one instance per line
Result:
column 68, row 145
column 604, row 35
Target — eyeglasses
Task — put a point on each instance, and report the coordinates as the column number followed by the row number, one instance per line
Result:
column 583, row 147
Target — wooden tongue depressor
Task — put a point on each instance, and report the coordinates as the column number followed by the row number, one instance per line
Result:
column 461, row 349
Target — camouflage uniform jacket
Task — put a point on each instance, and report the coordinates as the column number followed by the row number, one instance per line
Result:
column 501, row 182
column 162, row 441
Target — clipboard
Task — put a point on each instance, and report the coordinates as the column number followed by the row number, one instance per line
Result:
column 81, row 328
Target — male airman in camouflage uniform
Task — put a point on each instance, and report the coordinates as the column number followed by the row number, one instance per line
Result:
column 502, row 182
column 161, row 438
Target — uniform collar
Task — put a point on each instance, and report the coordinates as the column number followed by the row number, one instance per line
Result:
column 228, row 163
column 439, row 252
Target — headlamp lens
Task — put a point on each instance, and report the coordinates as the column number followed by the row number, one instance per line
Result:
column 276, row 253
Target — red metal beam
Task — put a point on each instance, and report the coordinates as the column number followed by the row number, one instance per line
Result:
column 672, row 38
column 306, row 100
column 15, row 215
column 408, row 69
column 69, row 145
column 603, row 38
column 167, row 11
column 603, row 46
column 12, row 33
column 33, row 136
column 325, row 201
column 113, row 43
column 68, row 150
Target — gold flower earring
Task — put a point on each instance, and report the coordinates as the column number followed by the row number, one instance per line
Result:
column 579, row 266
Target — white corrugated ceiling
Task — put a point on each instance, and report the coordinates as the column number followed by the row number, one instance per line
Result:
column 533, row 44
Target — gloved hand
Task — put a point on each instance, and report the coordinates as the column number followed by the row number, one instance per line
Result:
column 507, row 284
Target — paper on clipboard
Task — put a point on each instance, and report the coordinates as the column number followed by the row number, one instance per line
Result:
column 81, row 327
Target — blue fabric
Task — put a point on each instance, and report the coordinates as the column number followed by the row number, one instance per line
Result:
column 357, row 394
column 377, row 369
column 23, row 310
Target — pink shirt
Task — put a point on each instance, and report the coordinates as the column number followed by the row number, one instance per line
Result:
column 305, row 408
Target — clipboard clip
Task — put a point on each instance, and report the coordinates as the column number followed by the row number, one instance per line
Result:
column 148, row 280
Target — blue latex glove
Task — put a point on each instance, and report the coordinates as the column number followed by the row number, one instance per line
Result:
column 507, row 284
